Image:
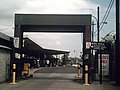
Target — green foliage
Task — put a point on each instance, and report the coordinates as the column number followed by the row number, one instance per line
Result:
column 109, row 40
column 65, row 58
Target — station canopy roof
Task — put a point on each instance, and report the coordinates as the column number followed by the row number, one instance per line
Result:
column 31, row 48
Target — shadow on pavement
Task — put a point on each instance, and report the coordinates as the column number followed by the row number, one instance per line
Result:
column 80, row 81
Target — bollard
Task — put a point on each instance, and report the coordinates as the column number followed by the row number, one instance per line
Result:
column 14, row 74
column 56, row 65
column 86, row 75
column 28, row 70
column 78, row 70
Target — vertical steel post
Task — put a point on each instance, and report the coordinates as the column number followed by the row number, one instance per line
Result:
column 64, row 61
column 78, row 70
column 98, row 23
column 92, row 31
column 117, row 47
column 100, row 66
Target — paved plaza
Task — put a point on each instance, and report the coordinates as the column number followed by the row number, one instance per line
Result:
column 54, row 80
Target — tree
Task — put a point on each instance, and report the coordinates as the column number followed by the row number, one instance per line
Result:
column 65, row 58
column 109, row 40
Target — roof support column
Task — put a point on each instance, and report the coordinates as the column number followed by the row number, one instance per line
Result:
column 117, row 44
column 86, row 38
column 17, row 55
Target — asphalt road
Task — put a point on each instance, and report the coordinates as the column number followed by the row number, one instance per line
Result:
column 56, row 78
column 68, row 70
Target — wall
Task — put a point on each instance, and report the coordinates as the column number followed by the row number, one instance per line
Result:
column 4, row 64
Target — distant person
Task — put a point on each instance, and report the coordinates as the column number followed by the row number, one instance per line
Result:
column 91, row 72
column 38, row 63
column 48, row 63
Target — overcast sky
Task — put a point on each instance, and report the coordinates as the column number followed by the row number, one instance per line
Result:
column 71, row 42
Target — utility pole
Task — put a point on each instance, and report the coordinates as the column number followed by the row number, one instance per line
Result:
column 100, row 66
column 100, row 46
column 98, row 23
column 117, row 43
column 92, row 31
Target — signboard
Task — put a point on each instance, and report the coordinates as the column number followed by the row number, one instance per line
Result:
column 23, row 43
column 88, row 45
column 119, row 19
column 102, row 47
column 17, row 55
column 86, row 56
column 119, row 12
column 16, row 42
column 98, row 46
column 105, row 64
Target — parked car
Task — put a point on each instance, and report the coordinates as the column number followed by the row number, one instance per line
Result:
column 74, row 65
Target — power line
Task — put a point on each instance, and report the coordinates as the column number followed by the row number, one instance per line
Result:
column 106, row 15
column 95, row 35
column 107, row 11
